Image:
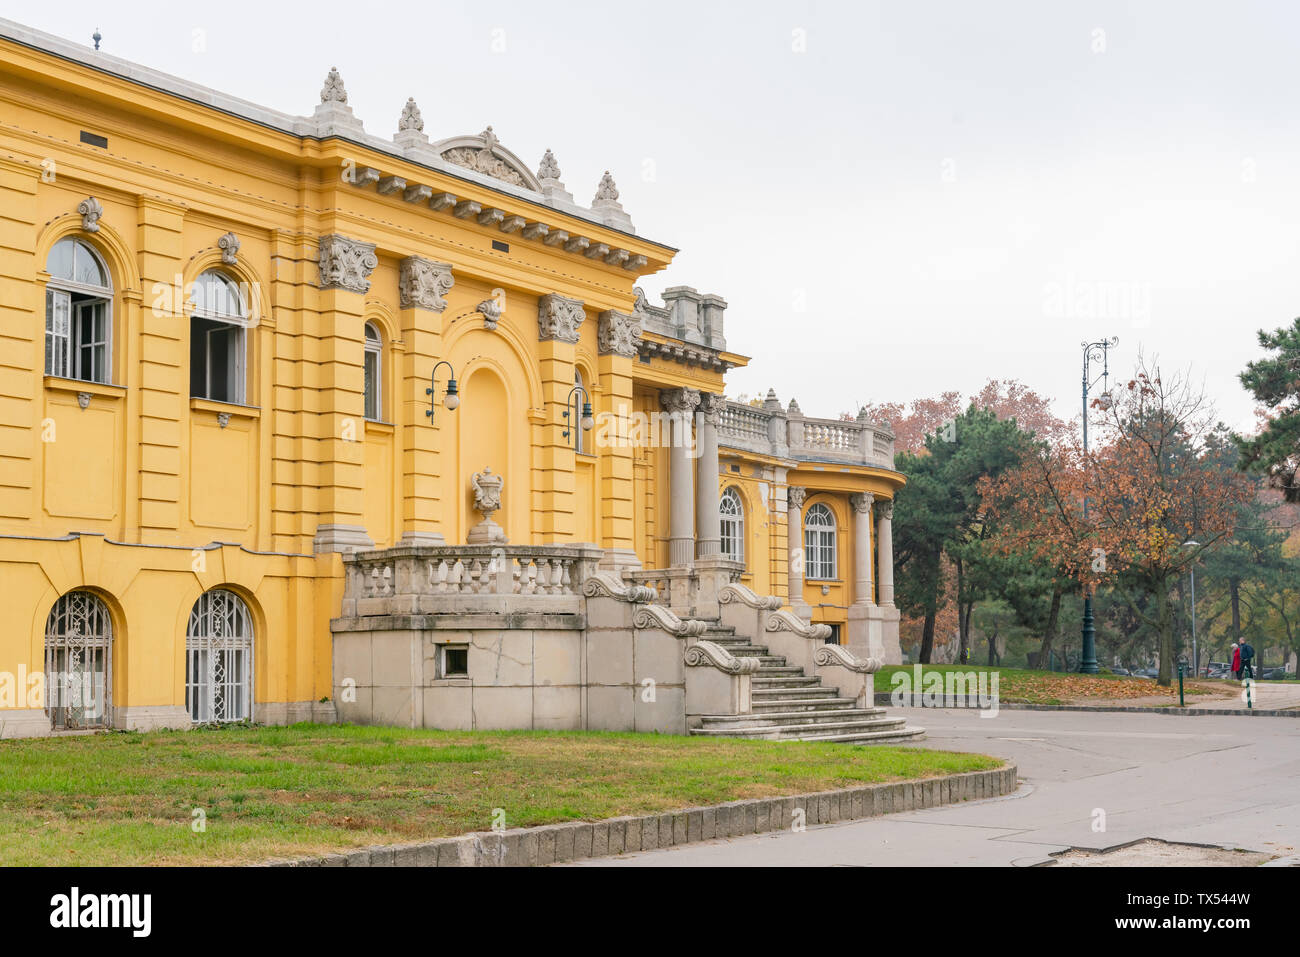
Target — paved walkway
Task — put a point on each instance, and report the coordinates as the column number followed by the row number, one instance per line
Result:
column 1210, row 780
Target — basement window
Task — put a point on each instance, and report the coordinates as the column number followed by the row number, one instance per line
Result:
column 455, row 661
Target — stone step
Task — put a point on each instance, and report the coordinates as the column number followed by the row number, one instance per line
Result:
column 900, row 736
column 808, row 732
column 785, row 678
column 779, row 718
column 767, row 692
column 779, row 671
column 768, row 705
column 747, row 651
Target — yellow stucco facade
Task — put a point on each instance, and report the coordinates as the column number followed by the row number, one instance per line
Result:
column 238, row 456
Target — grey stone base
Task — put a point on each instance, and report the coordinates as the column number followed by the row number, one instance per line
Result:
column 556, row 843
column 294, row 712
column 25, row 723
column 151, row 718
column 341, row 538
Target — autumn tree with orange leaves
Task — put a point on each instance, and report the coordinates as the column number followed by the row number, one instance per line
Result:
column 1158, row 498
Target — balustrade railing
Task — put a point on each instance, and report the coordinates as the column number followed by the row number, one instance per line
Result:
column 759, row 428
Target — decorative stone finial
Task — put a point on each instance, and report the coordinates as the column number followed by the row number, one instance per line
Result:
column 487, row 499
column 549, row 168
column 411, row 119
column 794, row 407
column 90, row 210
column 229, row 246
column 333, row 90
column 864, row 415
column 490, row 140
column 772, row 403
column 606, row 192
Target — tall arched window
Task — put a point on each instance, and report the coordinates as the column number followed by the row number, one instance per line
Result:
column 374, row 373
column 219, row 659
column 78, row 313
column 732, row 513
column 819, row 542
column 580, row 436
column 79, row 662
column 218, row 349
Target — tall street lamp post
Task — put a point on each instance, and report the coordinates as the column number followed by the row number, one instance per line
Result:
column 1092, row 352
column 1196, row 659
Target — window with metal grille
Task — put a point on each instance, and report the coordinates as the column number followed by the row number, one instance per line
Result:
column 732, row 513
column 374, row 367
column 78, row 663
column 219, row 659
column 78, row 313
column 819, row 543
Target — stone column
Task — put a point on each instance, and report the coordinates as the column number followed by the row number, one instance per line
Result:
column 616, row 338
column 794, row 497
column 708, row 521
column 885, row 557
column 680, row 404
column 862, row 586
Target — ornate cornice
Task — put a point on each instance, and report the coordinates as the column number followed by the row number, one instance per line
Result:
column 617, row 333
column 680, row 401
column 346, row 263
column 684, row 353
column 559, row 318
column 423, row 283
column 706, row 653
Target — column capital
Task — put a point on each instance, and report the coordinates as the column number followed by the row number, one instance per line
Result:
column 886, row 510
column 794, row 496
column 559, row 317
column 617, row 333
column 422, row 283
column 861, row 501
column 680, row 401
column 711, row 406
column 346, row 263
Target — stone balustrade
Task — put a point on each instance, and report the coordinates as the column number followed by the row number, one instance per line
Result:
column 423, row 579
column 771, row 430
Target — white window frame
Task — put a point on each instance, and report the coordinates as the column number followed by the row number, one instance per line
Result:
column 374, row 347
column 237, row 377
column 67, row 346
column 219, row 638
column 580, row 438
column 820, row 543
column 731, row 522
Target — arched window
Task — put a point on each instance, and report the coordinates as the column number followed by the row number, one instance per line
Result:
column 732, row 513
column 819, row 542
column 374, row 373
column 218, row 351
column 78, row 662
column 219, row 659
column 78, row 313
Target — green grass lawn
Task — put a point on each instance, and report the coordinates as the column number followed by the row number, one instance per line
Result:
column 1019, row 685
column 127, row 798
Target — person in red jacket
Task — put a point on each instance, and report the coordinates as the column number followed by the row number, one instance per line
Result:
column 1236, row 661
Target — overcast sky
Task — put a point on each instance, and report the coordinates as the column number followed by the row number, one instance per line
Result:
column 896, row 199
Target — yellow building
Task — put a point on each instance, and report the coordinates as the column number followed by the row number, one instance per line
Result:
column 221, row 325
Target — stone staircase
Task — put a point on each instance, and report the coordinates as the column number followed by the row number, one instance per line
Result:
column 791, row 706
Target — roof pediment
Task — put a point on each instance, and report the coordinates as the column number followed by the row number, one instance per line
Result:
column 483, row 153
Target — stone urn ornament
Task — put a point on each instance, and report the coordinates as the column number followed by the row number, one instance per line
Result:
column 487, row 499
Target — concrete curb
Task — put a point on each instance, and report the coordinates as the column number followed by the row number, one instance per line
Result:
column 950, row 701
column 556, row 843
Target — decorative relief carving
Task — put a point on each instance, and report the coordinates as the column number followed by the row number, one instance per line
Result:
column 346, row 263
column 549, row 168
column 885, row 511
column 559, row 318
column 795, row 495
column 709, row 654
column 333, row 90
column 606, row 191
column 411, row 118
column 423, row 283
column 617, row 333
column 861, row 502
column 834, row 655
column 711, row 407
column 680, row 401
column 229, row 246
column 734, row 592
column 83, row 399
column 90, row 210
column 485, row 160
column 491, row 311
